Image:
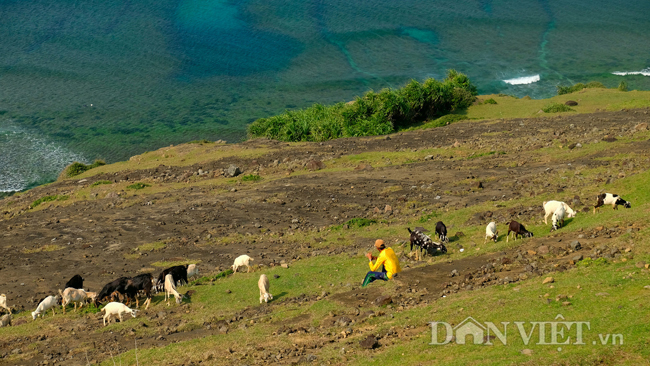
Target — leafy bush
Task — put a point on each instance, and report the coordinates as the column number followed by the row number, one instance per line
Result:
column 48, row 199
column 99, row 182
column 577, row 87
column 250, row 178
column 557, row 107
column 490, row 101
column 77, row 168
column 138, row 185
column 622, row 86
column 360, row 222
column 376, row 113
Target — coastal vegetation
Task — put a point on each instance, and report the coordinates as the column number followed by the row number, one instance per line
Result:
column 77, row 168
column 556, row 108
column 375, row 113
column 561, row 90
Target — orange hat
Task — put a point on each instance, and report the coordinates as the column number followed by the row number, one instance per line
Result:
column 379, row 243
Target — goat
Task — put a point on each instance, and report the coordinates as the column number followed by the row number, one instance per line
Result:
column 170, row 288
column 142, row 282
column 3, row 303
column 75, row 282
column 192, row 270
column 48, row 303
column 179, row 273
column 441, row 230
column 242, row 260
column 72, row 295
column 558, row 218
column 551, row 206
column 611, row 199
column 423, row 241
column 264, row 286
column 518, row 229
column 5, row 321
column 491, row 232
column 116, row 309
column 109, row 288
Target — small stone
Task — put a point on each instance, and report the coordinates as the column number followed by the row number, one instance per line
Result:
column 575, row 245
column 527, row 352
column 640, row 264
column 532, row 252
column 548, row 280
column 228, row 292
column 577, row 258
column 369, row 343
column 233, row 171
column 543, row 250
column 284, row 265
column 566, row 303
column 383, row 300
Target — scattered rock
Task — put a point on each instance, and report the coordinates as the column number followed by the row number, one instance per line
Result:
column 640, row 264
column 641, row 127
column 388, row 208
column 609, row 138
column 233, row 171
column 383, row 300
column 571, row 103
column 575, row 245
column 527, row 352
column 543, row 250
column 364, row 167
column 369, row 343
column 548, row 280
column 343, row 321
column 566, row 303
column 577, row 258
column 315, row 165
column 284, row 265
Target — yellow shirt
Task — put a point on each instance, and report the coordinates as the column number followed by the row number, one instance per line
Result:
column 388, row 258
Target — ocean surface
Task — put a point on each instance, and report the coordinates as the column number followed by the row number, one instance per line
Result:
column 81, row 80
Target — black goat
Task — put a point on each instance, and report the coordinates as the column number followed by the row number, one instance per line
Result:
column 179, row 273
column 441, row 230
column 518, row 229
column 423, row 241
column 75, row 282
column 108, row 289
column 132, row 288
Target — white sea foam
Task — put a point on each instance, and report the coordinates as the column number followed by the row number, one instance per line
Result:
column 523, row 80
column 644, row 72
column 26, row 158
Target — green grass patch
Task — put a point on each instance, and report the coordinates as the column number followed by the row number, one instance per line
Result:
column 148, row 247
column 48, row 199
column 561, row 90
column 489, row 101
column 557, row 108
column 100, row 182
column 138, row 185
column 427, row 217
column 77, row 168
column 250, row 178
column 360, row 222
column 45, row 248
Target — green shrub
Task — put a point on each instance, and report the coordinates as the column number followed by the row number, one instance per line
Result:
column 99, row 182
column 138, row 185
column 556, row 108
column 77, row 168
column 250, row 178
column 360, row 222
column 376, row 113
column 489, row 101
column 622, row 86
column 577, row 87
column 200, row 142
column 48, row 199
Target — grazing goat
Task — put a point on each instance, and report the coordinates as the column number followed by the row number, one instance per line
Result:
column 3, row 303
column 75, row 282
column 116, row 309
column 558, row 218
column 611, row 199
column 170, row 288
column 179, row 273
column 142, row 282
column 264, row 286
column 423, row 241
column 72, row 295
column 441, row 230
column 491, row 232
column 192, row 270
column 5, row 321
column 551, row 206
column 518, row 229
column 48, row 303
column 242, row 260
column 109, row 288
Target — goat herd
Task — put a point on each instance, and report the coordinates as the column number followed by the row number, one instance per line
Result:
column 556, row 209
column 125, row 289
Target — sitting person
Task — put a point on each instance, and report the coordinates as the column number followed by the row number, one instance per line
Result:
column 387, row 261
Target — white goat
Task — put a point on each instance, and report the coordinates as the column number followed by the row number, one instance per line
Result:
column 491, row 232
column 170, row 288
column 116, row 309
column 551, row 206
column 558, row 217
column 3, row 303
column 48, row 303
column 5, row 321
column 242, row 260
column 72, row 295
column 192, row 270
column 264, row 286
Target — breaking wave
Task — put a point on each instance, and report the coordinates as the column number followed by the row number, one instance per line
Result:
column 644, row 72
column 523, row 80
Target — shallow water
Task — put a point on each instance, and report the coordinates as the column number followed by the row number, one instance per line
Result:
column 108, row 80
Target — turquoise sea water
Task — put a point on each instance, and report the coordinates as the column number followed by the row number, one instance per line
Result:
column 81, row 80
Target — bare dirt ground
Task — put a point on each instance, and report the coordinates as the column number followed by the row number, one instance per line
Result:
column 97, row 233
